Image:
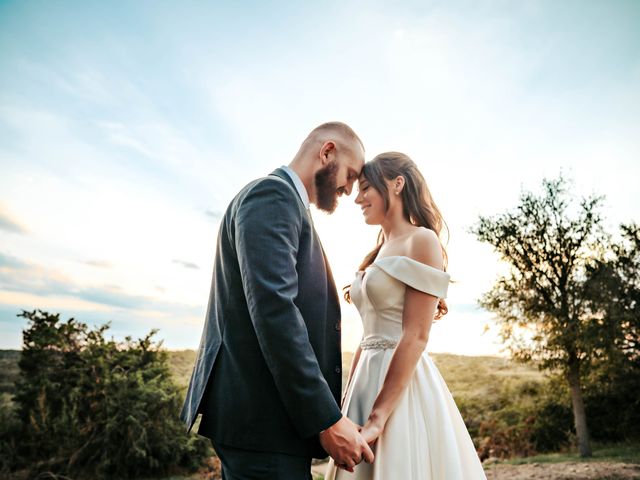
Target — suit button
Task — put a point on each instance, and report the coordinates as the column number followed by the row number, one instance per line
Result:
column 336, row 326
column 337, row 370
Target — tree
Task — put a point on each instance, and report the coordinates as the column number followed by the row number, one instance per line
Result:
column 615, row 290
column 542, row 303
column 613, row 403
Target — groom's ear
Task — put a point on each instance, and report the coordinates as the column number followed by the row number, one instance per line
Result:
column 327, row 152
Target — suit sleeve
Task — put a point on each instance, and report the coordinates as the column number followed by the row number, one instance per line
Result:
column 267, row 235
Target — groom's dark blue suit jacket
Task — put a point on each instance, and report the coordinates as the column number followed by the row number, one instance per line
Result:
column 268, row 371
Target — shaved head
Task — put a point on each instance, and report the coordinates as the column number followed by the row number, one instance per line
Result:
column 338, row 132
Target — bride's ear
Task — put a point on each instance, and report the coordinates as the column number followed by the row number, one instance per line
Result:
column 398, row 184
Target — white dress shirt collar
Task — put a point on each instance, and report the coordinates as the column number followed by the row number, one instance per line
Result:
column 302, row 191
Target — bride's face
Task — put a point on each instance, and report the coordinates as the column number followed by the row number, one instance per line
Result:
column 371, row 202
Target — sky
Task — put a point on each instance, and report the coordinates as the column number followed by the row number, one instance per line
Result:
column 127, row 127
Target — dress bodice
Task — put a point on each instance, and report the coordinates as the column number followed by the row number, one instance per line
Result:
column 378, row 293
column 425, row 437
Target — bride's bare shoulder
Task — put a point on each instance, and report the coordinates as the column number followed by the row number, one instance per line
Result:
column 424, row 246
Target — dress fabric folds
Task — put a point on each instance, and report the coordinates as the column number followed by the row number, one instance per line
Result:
column 425, row 437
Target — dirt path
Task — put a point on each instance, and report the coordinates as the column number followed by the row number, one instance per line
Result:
column 551, row 471
column 564, row 471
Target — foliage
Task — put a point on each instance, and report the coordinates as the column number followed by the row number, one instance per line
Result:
column 500, row 396
column 552, row 428
column 613, row 404
column 520, row 418
column 9, row 429
column 570, row 297
column 612, row 401
column 8, row 370
column 542, row 295
column 97, row 408
column 614, row 293
column 571, row 304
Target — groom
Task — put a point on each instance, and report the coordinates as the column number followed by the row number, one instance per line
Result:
column 267, row 377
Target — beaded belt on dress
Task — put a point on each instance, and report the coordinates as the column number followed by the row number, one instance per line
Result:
column 378, row 344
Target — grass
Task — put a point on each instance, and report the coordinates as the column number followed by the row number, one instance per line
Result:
column 482, row 377
column 181, row 364
column 619, row 452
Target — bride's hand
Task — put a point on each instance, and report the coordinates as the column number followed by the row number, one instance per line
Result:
column 442, row 309
column 370, row 432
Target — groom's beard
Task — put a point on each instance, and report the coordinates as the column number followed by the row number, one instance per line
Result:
column 327, row 187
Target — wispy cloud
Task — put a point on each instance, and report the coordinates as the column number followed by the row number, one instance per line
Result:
column 8, row 224
column 10, row 262
column 97, row 263
column 115, row 297
column 186, row 264
column 119, row 135
column 17, row 275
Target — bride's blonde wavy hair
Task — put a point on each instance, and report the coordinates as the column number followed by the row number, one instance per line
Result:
column 418, row 206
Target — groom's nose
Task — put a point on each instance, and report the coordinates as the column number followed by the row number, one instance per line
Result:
column 348, row 187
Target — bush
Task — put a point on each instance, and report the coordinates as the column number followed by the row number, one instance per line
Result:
column 522, row 417
column 612, row 401
column 97, row 408
column 9, row 428
column 527, row 417
column 552, row 426
column 500, row 440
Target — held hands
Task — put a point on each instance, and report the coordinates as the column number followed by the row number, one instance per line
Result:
column 371, row 431
column 345, row 444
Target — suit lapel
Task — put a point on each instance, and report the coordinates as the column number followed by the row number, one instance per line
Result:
column 280, row 173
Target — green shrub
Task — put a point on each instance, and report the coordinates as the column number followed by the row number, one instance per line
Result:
column 552, row 426
column 9, row 428
column 97, row 408
column 612, row 401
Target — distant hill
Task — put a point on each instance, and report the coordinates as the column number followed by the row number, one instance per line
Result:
column 467, row 377
column 8, row 369
column 485, row 376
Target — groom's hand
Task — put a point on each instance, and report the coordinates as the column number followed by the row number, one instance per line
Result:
column 345, row 444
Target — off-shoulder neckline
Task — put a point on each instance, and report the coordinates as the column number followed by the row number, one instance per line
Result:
column 400, row 256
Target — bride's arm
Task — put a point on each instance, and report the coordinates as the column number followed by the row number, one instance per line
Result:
column 354, row 364
column 419, row 311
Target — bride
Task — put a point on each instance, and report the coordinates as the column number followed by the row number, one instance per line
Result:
column 394, row 388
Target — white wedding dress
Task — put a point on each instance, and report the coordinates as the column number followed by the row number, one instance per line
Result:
column 425, row 437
